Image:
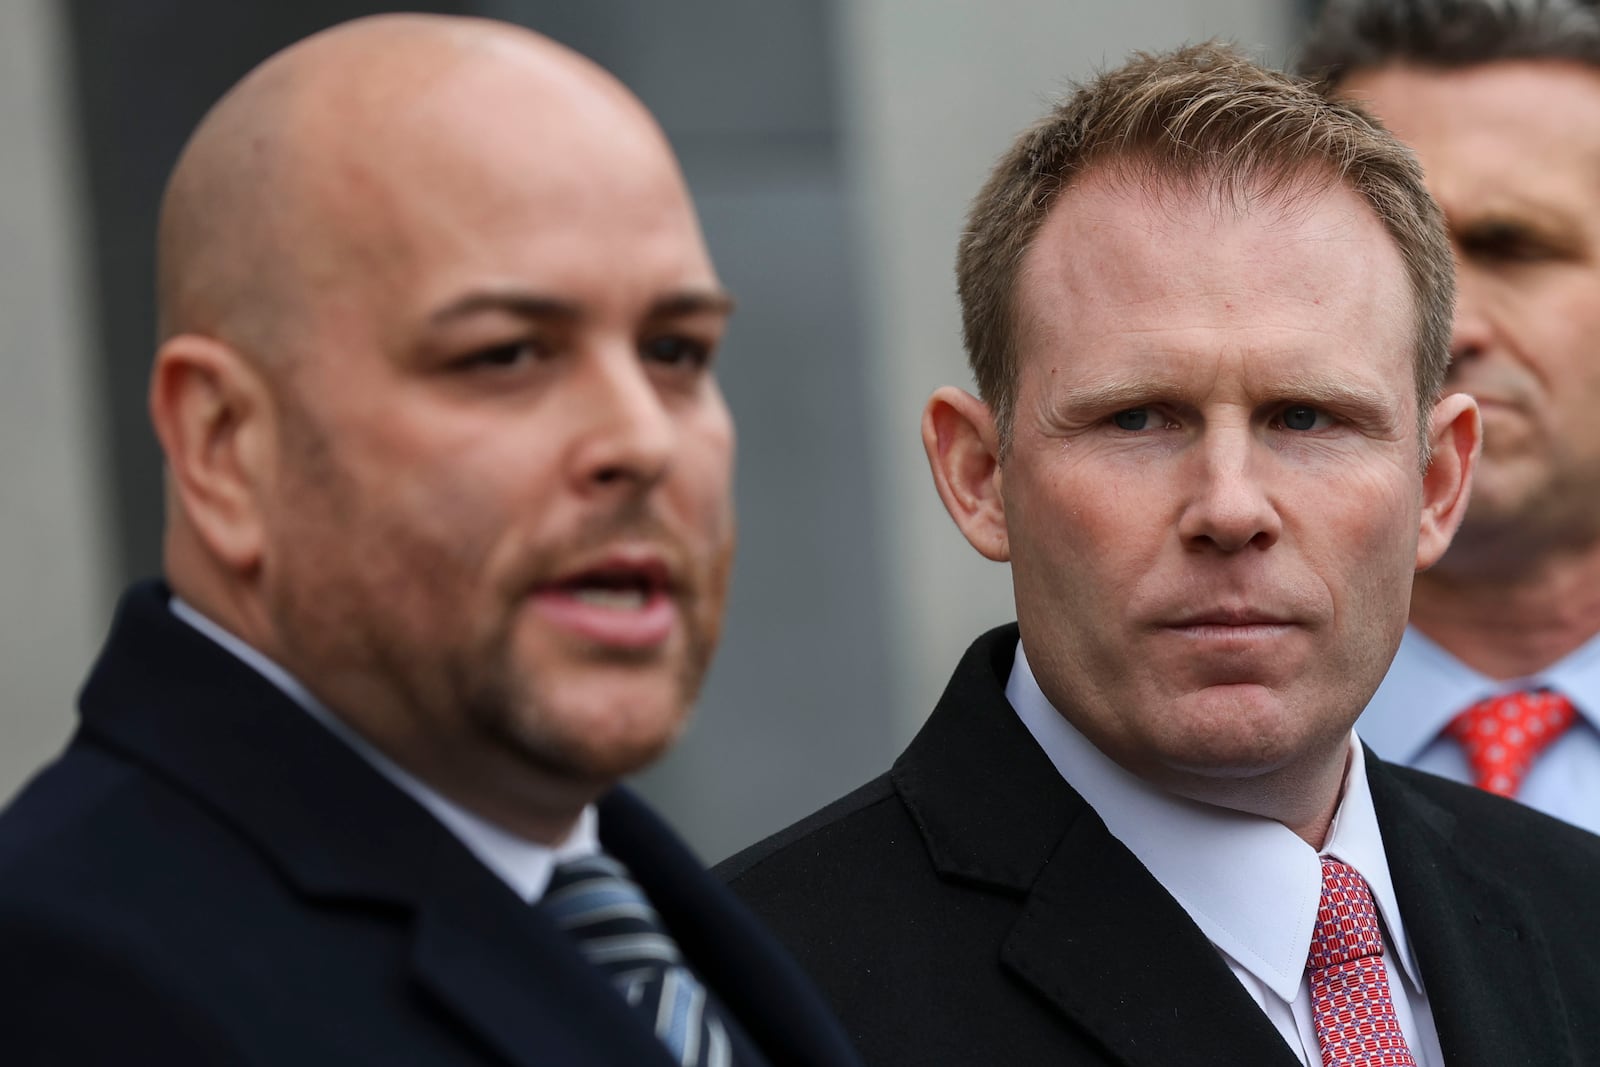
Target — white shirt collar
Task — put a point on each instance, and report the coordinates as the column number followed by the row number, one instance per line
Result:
column 1426, row 687
column 523, row 865
column 1250, row 883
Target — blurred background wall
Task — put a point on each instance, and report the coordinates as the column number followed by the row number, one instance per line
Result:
column 831, row 147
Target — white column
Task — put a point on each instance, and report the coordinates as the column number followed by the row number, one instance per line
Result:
column 54, row 567
column 933, row 92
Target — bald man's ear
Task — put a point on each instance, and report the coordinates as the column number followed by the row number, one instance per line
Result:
column 211, row 409
column 958, row 433
column 1456, row 437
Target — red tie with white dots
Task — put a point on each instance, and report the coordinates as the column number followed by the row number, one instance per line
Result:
column 1503, row 735
column 1350, row 1002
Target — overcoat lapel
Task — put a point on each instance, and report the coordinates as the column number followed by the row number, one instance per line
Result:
column 1107, row 946
column 1097, row 938
column 1481, row 947
column 171, row 700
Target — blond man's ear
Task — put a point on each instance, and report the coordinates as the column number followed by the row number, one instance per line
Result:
column 1456, row 438
column 211, row 409
column 959, row 435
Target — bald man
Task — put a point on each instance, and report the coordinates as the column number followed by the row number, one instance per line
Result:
column 449, row 530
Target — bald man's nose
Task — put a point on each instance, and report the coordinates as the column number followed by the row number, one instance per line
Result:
column 628, row 434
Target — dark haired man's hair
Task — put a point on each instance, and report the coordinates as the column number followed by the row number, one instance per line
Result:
column 1355, row 35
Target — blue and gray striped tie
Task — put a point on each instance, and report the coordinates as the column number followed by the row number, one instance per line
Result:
column 600, row 906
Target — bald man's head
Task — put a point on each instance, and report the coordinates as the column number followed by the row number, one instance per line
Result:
column 436, row 394
column 270, row 207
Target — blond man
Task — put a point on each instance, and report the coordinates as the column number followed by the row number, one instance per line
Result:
column 1208, row 312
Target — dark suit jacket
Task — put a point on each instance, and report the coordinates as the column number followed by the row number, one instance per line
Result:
column 207, row 876
column 970, row 908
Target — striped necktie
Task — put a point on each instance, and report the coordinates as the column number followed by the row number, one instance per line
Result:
column 596, row 902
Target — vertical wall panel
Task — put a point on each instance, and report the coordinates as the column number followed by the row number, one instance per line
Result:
column 55, row 591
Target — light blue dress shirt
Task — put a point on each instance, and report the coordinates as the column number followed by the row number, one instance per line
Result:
column 1426, row 687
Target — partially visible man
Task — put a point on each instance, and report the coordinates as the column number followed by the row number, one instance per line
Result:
column 1498, row 679
column 1208, row 311
column 449, row 532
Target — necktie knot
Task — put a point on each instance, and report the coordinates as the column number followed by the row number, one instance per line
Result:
column 597, row 903
column 1504, row 734
column 1351, row 1005
column 594, row 900
column 1347, row 921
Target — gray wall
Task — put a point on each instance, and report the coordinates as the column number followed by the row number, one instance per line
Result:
column 832, row 148
column 55, row 528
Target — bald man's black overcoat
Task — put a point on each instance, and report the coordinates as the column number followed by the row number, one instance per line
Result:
column 208, row 876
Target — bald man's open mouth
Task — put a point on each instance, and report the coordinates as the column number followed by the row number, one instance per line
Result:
column 625, row 597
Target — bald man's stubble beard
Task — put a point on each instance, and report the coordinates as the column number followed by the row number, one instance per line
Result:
column 457, row 706
column 509, row 713
column 511, row 706
column 361, row 617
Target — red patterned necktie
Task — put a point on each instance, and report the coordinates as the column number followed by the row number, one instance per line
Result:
column 1505, row 734
column 1350, row 1001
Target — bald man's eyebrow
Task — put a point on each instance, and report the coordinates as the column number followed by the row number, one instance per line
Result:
column 530, row 306
column 524, row 305
column 692, row 302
